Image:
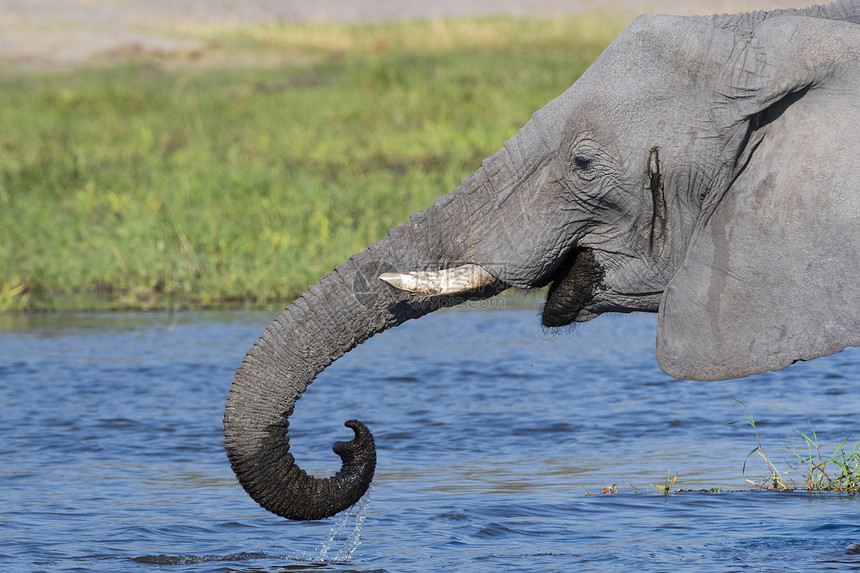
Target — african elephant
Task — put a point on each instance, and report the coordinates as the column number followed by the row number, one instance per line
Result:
column 704, row 168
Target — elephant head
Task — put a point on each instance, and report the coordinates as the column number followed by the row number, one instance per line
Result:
column 703, row 168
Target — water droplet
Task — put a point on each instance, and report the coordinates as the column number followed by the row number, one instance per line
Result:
column 344, row 554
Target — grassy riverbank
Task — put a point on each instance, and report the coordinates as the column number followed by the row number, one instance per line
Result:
column 241, row 173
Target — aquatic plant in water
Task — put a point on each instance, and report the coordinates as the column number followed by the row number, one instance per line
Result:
column 839, row 472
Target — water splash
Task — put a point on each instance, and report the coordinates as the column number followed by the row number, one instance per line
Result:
column 344, row 554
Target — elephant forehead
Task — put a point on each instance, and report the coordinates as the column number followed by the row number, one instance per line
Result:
column 657, row 58
column 616, row 104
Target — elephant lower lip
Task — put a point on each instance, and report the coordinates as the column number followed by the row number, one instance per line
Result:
column 572, row 289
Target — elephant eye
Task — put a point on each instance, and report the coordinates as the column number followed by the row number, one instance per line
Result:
column 581, row 162
column 582, row 166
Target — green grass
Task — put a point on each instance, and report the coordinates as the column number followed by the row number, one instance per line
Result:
column 809, row 469
column 154, row 183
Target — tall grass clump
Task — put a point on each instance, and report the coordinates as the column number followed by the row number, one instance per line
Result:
column 242, row 177
column 809, row 469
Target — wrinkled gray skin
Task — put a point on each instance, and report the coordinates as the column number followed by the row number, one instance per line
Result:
column 705, row 168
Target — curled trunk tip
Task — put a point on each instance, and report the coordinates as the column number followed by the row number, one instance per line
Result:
column 358, row 458
column 268, row 472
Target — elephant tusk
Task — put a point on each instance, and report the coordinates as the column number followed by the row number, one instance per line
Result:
column 458, row 280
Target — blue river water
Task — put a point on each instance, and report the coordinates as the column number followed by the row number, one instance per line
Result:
column 490, row 432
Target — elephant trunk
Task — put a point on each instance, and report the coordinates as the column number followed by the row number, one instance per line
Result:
column 343, row 310
column 471, row 229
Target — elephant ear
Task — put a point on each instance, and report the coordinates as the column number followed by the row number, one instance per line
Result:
column 772, row 272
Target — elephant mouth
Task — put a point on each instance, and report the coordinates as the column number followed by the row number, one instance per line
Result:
column 573, row 288
column 574, row 285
